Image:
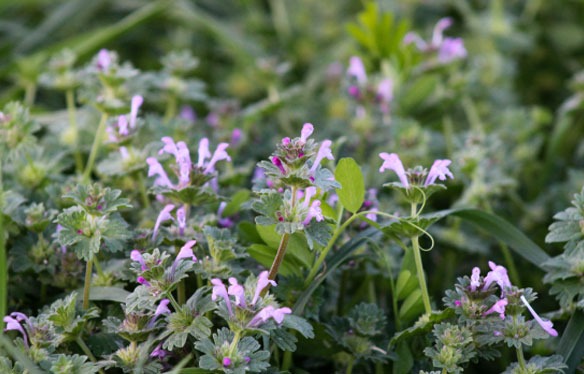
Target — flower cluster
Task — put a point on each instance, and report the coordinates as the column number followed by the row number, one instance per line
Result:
column 439, row 170
column 447, row 49
column 184, row 168
column 248, row 309
column 363, row 92
column 126, row 123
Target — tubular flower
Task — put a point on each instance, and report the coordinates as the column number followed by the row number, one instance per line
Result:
column 498, row 307
column 392, row 162
column 136, row 256
column 439, row 170
column 263, row 282
column 162, row 217
column 449, row 49
column 498, row 274
column 156, row 169
column 547, row 325
column 357, row 70
column 323, row 152
column 237, row 290
column 475, row 279
column 307, row 130
column 267, row 313
column 219, row 290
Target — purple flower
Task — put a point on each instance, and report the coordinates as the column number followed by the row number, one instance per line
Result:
column 547, row 325
column 307, row 130
column 143, row 281
column 156, row 169
column 451, row 49
column 162, row 308
column 498, row 307
column 237, row 290
column 219, row 290
column 223, row 221
column 162, row 217
column 437, row 34
column 183, row 160
column 218, row 155
column 204, row 152
column 314, row 211
column 226, row 362
column 323, row 152
column 181, row 219
column 263, row 282
column 498, row 274
column 186, row 251
column 13, row 323
column 136, row 256
column 137, row 101
column 236, row 136
column 439, row 170
column 276, row 161
column 475, row 279
column 188, row 113
column 309, row 192
column 124, row 153
column 159, row 352
column 357, row 70
column 104, row 60
column 269, row 312
column 392, row 162
column 385, row 94
column 169, row 147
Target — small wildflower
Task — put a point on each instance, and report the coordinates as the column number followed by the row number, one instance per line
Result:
column 104, row 60
column 162, row 217
column 498, row 274
column 307, row 130
column 439, row 170
column 323, row 152
column 159, row 352
column 156, row 169
column 269, row 312
column 226, row 362
column 262, row 283
column 498, row 307
column 276, row 161
column 392, row 162
column 547, row 325
column 143, row 281
column 357, row 70
column 237, row 290
column 136, row 256
column 475, row 279
column 449, row 49
column 385, row 94
column 188, row 113
column 314, row 212
column 219, row 290
column 186, row 251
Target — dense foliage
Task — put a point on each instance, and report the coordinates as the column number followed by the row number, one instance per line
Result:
column 274, row 186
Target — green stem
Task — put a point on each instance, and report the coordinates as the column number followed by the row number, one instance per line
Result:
column 421, row 276
column 97, row 266
column 180, row 292
column 278, row 259
column 521, row 359
column 325, row 251
column 350, row 367
column 287, row 360
column 87, row 351
column 87, row 284
column 95, row 147
column 175, row 305
column 143, row 193
column 30, row 94
column 70, row 97
column 3, row 263
column 171, row 106
column 233, row 344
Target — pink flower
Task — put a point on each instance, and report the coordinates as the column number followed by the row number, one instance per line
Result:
column 237, row 290
column 475, row 279
column 439, row 170
column 357, row 70
column 162, row 308
column 267, row 313
column 276, row 161
column 143, row 281
column 181, row 219
column 219, row 290
column 498, row 274
column 13, row 323
column 385, row 94
column 162, row 217
column 314, row 211
column 448, row 49
column 136, row 256
column 392, row 162
column 159, row 352
column 188, row 113
column 156, row 169
column 307, row 130
column 226, row 362
column 451, row 49
column 137, row 101
column 104, row 60
column 263, row 282
column 219, row 155
column 498, row 307
column 187, row 251
column 323, row 152
column 547, row 325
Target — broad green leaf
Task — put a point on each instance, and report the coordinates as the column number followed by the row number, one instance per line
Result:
column 108, row 293
column 234, row 205
column 352, row 193
column 406, row 283
column 412, row 306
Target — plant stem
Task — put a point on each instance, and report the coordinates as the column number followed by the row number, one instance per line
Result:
column 30, row 93
column 325, row 251
column 279, row 258
column 175, row 305
column 421, row 276
column 87, row 284
column 521, row 359
column 180, row 292
column 87, row 351
column 233, row 344
column 95, row 147
column 70, row 97
column 350, row 367
column 287, row 360
column 3, row 263
column 143, row 193
column 171, row 106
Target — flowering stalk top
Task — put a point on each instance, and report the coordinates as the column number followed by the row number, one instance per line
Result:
column 449, row 49
column 439, row 170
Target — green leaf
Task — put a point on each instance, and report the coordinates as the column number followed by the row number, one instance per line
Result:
column 108, row 293
column 234, row 205
column 297, row 247
column 265, row 256
column 502, row 230
column 352, row 193
column 571, row 345
column 19, row 356
column 299, row 324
